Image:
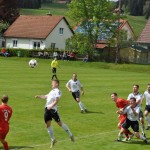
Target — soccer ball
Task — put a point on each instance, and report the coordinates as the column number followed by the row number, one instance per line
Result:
column 33, row 63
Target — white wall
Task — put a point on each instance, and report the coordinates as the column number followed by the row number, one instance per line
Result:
column 129, row 31
column 1, row 40
column 24, row 43
column 55, row 37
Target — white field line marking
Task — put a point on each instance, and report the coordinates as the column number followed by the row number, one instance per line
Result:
column 76, row 138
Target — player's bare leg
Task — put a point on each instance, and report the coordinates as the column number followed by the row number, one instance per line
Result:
column 5, row 144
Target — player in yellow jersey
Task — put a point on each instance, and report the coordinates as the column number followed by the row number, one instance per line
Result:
column 54, row 65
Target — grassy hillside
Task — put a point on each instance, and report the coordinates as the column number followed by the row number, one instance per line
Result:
column 137, row 22
column 55, row 9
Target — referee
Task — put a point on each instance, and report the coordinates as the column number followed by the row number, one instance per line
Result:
column 54, row 65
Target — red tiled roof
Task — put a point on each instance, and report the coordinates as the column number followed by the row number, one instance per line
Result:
column 122, row 23
column 38, row 27
column 101, row 46
column 145, row 35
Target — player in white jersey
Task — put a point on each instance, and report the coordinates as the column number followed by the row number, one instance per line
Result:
column 132, row 112
column 138, row 98
column 52, row 98
column 74, row 86
column 146, row 96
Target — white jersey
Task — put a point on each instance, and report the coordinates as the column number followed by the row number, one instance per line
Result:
column 130, row 114
column 138, row 97
column 74, row 85
column 146, row 95
column 51, row 97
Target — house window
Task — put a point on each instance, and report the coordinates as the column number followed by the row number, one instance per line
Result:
column 61, row 31
column 15, row 42
column 53, row 45
column 36, row 45
column 3, row 43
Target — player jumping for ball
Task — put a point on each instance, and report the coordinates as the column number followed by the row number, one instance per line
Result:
column 52, row 98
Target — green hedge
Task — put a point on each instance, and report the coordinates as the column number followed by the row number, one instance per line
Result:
column 25, row 52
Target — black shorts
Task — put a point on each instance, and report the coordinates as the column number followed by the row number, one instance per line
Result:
column 54, row 70
column 147, row 107
column 134, row 125
column 76, row 94
column 141, row 114
column 49, row 114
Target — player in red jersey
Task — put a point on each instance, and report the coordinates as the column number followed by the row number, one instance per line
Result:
column 121, row 104
column 5, row 114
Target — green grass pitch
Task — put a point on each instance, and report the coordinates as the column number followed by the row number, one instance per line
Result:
column 95, row 130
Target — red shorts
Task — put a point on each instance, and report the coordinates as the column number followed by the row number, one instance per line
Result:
column 122, row 118
column 3, row 133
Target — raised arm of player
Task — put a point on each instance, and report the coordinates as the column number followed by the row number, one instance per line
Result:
column 41, row 96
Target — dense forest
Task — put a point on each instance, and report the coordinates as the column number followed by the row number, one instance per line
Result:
column 132, row 7
column 9, row 10
column 136, row 7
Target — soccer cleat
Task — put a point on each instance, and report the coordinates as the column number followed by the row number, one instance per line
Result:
column 72, row 138
column 86, row 110
column 53, row 143
column 117, row 140
column 125, row 139
column 148, row 128
column 82, row 111
column 145, row 141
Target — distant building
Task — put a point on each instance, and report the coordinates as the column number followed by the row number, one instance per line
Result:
column 144, row 38
column 123, row 25
column 104, row 49
column 143, row 41
column 38, row 32
column 2, row 41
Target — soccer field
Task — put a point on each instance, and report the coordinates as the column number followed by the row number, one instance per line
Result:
column 95, row 130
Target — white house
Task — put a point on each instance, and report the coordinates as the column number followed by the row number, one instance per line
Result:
column 125, row 26
column 102, row 39
column 2, row 41
column 38, row 32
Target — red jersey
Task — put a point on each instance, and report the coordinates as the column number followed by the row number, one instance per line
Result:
column 121, row 103
column 5, row 114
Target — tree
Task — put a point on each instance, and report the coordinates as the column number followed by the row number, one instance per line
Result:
column 91, row 14
column 78, row 43
column 3, row 26
column 147, row 9
column 8, row 10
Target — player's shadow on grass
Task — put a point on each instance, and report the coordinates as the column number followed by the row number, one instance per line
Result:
column 93, row 112
column 137, row 142
column 19, row 147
